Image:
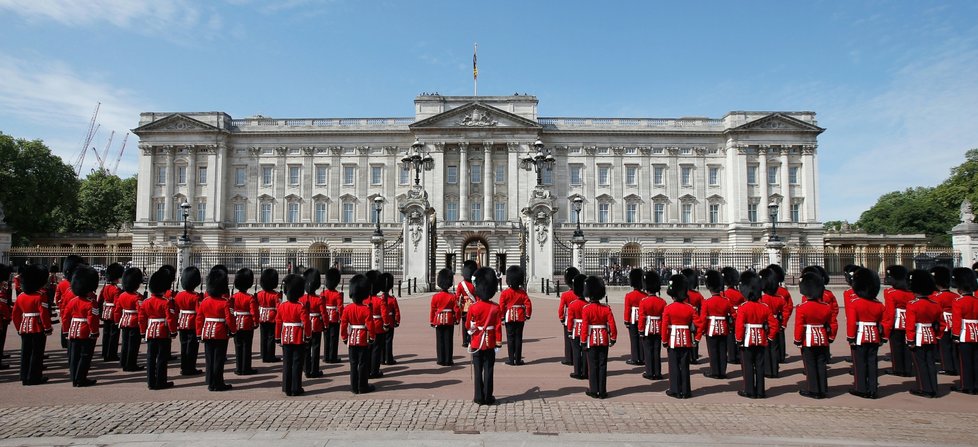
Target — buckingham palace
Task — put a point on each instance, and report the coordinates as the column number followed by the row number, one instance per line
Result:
column 302, row 183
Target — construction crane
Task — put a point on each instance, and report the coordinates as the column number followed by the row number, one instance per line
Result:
column 92, row 129
column 105, row 152
column 122, row 150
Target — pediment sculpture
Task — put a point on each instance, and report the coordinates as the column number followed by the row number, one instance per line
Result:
column 477, row 118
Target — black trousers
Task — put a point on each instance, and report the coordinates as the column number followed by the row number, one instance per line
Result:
column 568, row 347
column 635, row 344
column 331, row 343
column 716, row 347
column 215, row 354
column 597, row 364
column 80, row 359
column 311, row 362
column 31, row 357
column 130, row 348
column 949, row 354
column 377, row 353
column 3, row 338
column 266, row 341
column 64, row 339
column 189, row 349
column 733, row 353
column 899, row 354
column 924, row 359
column 387, row 356
column 652, row 345
column 752, row 363
column 242, row 351
column 865, row 364
column 466, row 338
column 157, row 356
column 443, row 344
column 292, row 357
column 771, row 359
column 514, row 341
column 359, row 368
column 580, row 363
column 110, row 341
column 816, row 361
column 482, row 364
column 968, row 365
column 781, row 345
column 679, row 359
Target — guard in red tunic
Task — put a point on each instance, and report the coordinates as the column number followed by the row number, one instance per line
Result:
column 828, row 298
column 650, row 325
column 465, row 293
column 215, row 325
column 444, row 314
column 126, row 317
column 848, row 297
column 947, row 349
column 292, row 331
column 964, row 328
column 333, row 308
column 714, row 323
column 598, row 333
column 789, row 307
column 314, row 303
column 63, row 294
column 378, row 309
column 517, row 309
column 864, row 331
column 244, row 308
column 484, row 325
column 268, row 301
column 754, row 329
column 186, row 303
column 81, row 315
column 731, row 279
column 566, row 299
column 677, row 322
column 695, row 300
column 632, row 300
column 31, row 316
column 574, row 325
column 895, row 300
column 923, row 332
column 158, row 325
column 814, row 331
column 106, row 303
column 356, row 331
column 393, row 318
column 770, row 298
column 6, row 309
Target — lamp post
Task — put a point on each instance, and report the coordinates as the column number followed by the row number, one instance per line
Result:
column 378, row 206
column 578, row 241
column 377, row 254
column 418, row 160
column 538, row 161
column 578, row 206
column 772, row 210
column 185, row 209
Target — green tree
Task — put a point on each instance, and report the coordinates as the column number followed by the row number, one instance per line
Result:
column 961, row 185
column 914, row 210
column 36, row 186
column 99, row 198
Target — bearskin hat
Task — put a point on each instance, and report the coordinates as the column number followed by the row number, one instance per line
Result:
column 678, row 287
column 70, row 264
column 371, row 276
column 653, row 283
column 942, row 276
column 594, row 289
column 268, row 280
column 965, row 280
column 468, row 269
column 636, row 279
column 896, row 277
column 132, row 278
column 778, row 270
column 289, row 279
column 922, row 283
column 313, row 281
column 974, row 266
column 569, row 276
column 692, row 278
column 445, row 280
column 714, row 281
column 114, row 271
column 295, row 286
column 750, row 285
column 170, row 270
column 159, row 282
column 52, row 269
column 515, row 276
column 769, row 281
column 244, row 278
column 388, row 281
column 485, row 283
column 811, row 286
column 578, row 285
column 848, row 270
column 818, row 270
column 221, row 267
column 33, row 277
column 333, row 278
column 217, row 283
column 360, row 287
column 866, row 283
column 190, row 278
column 4, row 272
column 84, row 281
column 731, row 277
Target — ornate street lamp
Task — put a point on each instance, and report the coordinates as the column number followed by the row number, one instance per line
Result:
column 538, row 161
column 578, row 204
column 378, row 206
column 185, row 208
column 419, row 160
column 772, row 210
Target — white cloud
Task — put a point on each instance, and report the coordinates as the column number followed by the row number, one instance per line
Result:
column 158, row 17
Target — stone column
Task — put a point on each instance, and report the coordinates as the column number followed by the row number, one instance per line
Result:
column 672, row 185
column 184, row 251
column 170, row 178
column 512, row 179
column 488, row 181
column 463, row 181
column 964, row 236
column 773, row 249
column 415, row 231
column 577, row 253
column 762, row 181
column 145, row 182
column 377, row 253
column 538, row 218
column 809, row 170
column 786, row 183
column 334, row 212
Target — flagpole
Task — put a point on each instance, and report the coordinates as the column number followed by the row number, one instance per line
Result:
column 475, row 71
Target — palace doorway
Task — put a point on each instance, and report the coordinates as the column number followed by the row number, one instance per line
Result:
column 476, row 249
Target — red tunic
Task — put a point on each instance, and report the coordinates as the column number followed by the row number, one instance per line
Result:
column 292, row 326
column 81, row 318
column 945, row 298
column 789, row 305
column 695, row 299
column 393, row 311
column 574, row 317
column 314, row 304
column 380, row 314
column 31, row 314
column 566, row 299
column 752, row 317
column 268, row 306
column 484, row 324
column 632, row 300
column 356, row 325
column 736, row 299
column 776, row 303
column 964, row 319
column 444, row 310
column 863, row 320
column 677, row 323
column 894, row 316
column 63, row 294
column 332, row 305
column 186, row 303
column 516, row 305
column 650, row 315
column 714, row 317
column 828, row 298
column 814, row 325
column 923, row 322
column 214, row 319
column 598, row 325
column 106, row 301
column 245, row 310
column 126, row 311
column 157, row 318
column 465, row 294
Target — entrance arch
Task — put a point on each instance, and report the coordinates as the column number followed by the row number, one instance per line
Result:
column 476, row 248
column 318, row 257
column 631, row 255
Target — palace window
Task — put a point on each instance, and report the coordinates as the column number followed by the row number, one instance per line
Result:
column 349, row 172
column 500, row 211
column 658, row 175
column 239, row 213
column 347, row 212
column 202, row 175
column 687, row 213
column 631, row 175
column 604, row 175
column 451, row 211
column 201, row 210
column 265, row 213
column 714, row 175
column 752, row 174
column 659, row 213
column 631, row 212
column 793, row 175
column 500, row 172
column 404, row 175
column 475, row 173
column 772, row 175
column 686, row 176
column 376, row 175
column 320, row 216
column 548, row 176
column 476, row 213
column 322, row 174
column 181, row 175
column 239, row 176
column 292, row 212
column 294, row 175
column 267, row 174
column 796, row 212
column 160, row 211
column 576, row 175
column 161, row 175
column 603, row 212
column 714, row 213
column 752, row 212
column 451, row 175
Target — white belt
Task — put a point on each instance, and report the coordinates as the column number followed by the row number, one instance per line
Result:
column 241, row 314
column 108, row 304
column 597, row 326
column 188, row 312
column 315, row 314
column 330, row 307
column 754, row 326
column 213, row 320
column 947, row 315
column 357, row 326
column 32, row 314
column 674, row 327
column 376, row 317
column 292, row 324
column 266, row 308
column 127, row 311
column 962, row 321
column 157, row 320
column 517, row 305
column 487, row 328
column 78, row 320
column 811, row 326
column 577, row 320
column 447, row 311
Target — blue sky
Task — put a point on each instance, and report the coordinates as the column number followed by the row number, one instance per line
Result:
column 895, row 83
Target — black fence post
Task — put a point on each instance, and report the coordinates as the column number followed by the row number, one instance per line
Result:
column 542, row 285
column 399, row 287
column 548, row 286
column 557, row 286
